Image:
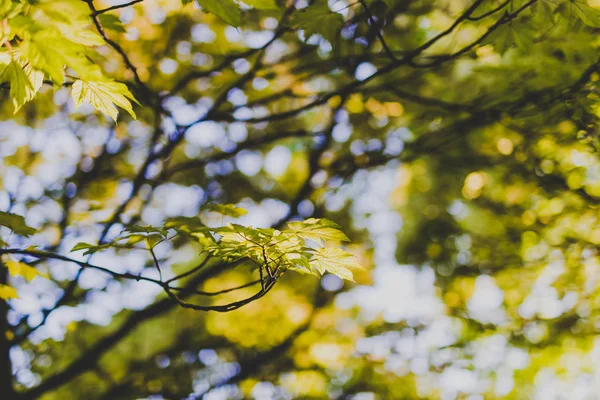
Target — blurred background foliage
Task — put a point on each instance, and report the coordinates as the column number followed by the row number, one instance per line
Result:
column 454, row 141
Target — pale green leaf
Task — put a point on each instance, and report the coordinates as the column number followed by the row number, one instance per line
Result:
column 318, row 229
column 20, row 85
column 45, row 51
column 85, row 37
column 24, row 80
column 36, row 78
column 104, row 96
column 335, row 261
column 298, row 260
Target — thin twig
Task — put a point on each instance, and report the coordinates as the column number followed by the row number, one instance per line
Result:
column 118, row 6
column 389, row 52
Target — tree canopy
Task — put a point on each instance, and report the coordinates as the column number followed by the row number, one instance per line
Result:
column 281, row 199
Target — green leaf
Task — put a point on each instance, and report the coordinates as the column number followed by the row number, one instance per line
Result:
column 24, row 81
column 299, row 261
column 89, row 248
column 45, row 51
column 131, row 240
column 7, row 292
column 153, row 239
column 36, row 78
column 9, row 9
column 318, row 19
column 103, row 96
column 586, row 13
column 112, row 22
column 82, row 246
column 16, row 223
column 187, row 224
column 148, row 229
column 544, row 11
column 318, row 229
column 229, row 210
column 227, row 10
column 335, row 261
column 512, row 34
column 262, row 4
column 19, row 84
column 18, row 268
column 71, row 19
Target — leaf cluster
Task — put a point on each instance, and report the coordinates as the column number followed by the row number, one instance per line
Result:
column 303, row 246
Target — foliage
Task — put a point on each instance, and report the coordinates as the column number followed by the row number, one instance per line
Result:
column 456, row 143
column 275, row 251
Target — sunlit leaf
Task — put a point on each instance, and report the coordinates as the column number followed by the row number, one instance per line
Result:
column 335, row 261
column 104, row 96
column 46, row 52
column 318, row 229
column 21, row 87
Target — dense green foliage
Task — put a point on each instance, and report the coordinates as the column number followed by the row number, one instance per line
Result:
column 153, row 252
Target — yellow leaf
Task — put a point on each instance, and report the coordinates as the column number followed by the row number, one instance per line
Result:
column 7, row 292
column 18, row 268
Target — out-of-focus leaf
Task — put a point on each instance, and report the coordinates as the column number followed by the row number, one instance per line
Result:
column 510, row 35
column 318, row 19
column 112, row 22
column 587, row 14
column 227, row 10
column 16, row 223
column 89, row 248
column 229, row 210
column 18, row 268
column 7, row 292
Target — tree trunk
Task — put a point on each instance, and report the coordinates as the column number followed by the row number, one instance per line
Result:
column 6, row 379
